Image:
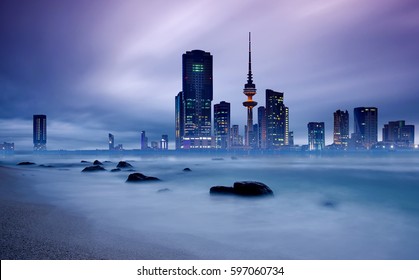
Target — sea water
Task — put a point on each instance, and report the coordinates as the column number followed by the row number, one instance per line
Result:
column 362, row 206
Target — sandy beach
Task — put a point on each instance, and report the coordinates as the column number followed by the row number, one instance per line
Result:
column 33, row 229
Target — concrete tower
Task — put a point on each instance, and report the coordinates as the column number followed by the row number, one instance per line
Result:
column 249, row 90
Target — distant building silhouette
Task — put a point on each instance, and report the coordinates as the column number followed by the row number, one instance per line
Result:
column 222, row 125
column 341, row 129
column 111, row 142
column 398, row 134
column 193, row 104
column 250, row 90
column 316, row 136
column 291, row 138
column 144, row 141
column 179, row 119
column 365, row 127
column 262, row 127
column 235, row 138
column 164, row 142
column 277, row 120
column 40, row 132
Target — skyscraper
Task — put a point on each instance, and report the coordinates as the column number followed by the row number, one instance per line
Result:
column 39, row 132
column 262, row 127
column 315, row 136
column 365, row 127
column 236, row 139
column 193, row 104
column 179, row 119
column 277, row 123
column 249, row 90
column 144, row 141
column 111, row 142
column 398, row 134
column 341, row 129
column 222, row 125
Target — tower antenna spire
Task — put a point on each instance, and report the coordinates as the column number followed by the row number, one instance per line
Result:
column 249, row 75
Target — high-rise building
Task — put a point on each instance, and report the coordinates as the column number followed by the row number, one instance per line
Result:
column 316, row 136
column 277, row 120
column 144, row 141
column 291, row 138
column 341, row 129
column 164, row 142
column 222, row 125
column 111, row 142
column 262, row 127
column 179, row 119
column 39, row 132
column 249, row 90
column 193, row 104
column 398, row 134
column 236, row 139
column 365, row 127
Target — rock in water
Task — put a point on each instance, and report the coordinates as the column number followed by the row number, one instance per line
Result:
column 243, row 188
column 123, row 164
column 96, row 162
column 139, row 177
column 251, row 188
column 93, row 168
column 115, row 170
column 25, row 163
column 187, row 169
column 221, row 190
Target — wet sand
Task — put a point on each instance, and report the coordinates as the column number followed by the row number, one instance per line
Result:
column 35, row 230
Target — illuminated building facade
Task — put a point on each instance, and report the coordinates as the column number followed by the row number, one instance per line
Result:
column 164, row 142
column 365, row 127
column 250, row 90
column 277, row 120
column 222, row 125
column 398, row 134
column 316, row 136
column 39, row 132
column 111, row 142
column 262, row 127
column 193, row 104
column 341, row 129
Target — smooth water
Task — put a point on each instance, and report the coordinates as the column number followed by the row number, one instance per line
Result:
column 325, row 207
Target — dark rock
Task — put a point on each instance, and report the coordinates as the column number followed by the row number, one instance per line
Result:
column 96, row 162
column 84, row 161
column 116, row 170
column 123, row 164
column 221, row 190
column 139, row 177
column 164, row 190
column 187, row 169
column 251, row 188
column 25, row 163
column 107, row 161
column 93, row 168
column 243, row 188
column 47, row 166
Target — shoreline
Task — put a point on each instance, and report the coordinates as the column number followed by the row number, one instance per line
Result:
column 32, row 229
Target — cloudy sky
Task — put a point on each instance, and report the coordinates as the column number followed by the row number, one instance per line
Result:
column 101, row 66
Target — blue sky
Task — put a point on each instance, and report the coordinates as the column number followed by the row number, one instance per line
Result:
column 95, row 67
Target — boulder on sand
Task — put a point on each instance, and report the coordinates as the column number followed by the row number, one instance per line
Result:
column 243, row 188
column 139, row 177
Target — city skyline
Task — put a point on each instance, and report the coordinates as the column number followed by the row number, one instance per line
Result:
column 324, row 55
